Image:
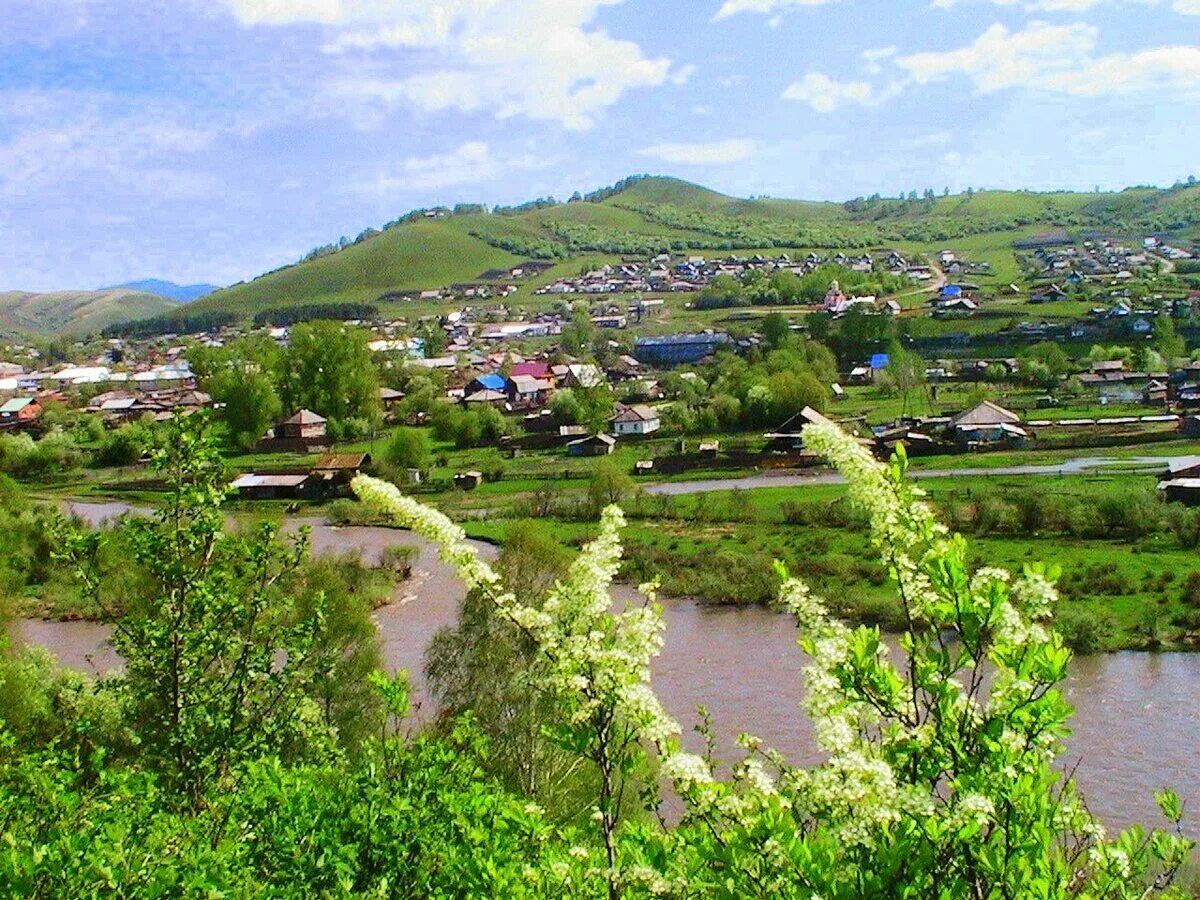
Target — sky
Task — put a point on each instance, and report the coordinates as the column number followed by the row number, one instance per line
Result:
column 213, row 140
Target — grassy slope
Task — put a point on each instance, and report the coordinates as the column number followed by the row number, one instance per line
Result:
column 432, row 254
column 75, row 312
column 412, row 257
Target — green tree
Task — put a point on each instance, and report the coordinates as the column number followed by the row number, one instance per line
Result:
column 790, row 392
column 905, row 375
column 775, row 329
column 578, row 333
column 482, row 666
column 1166, row 340
column 249, row 402
column 327, row 368
column 218, row 664
column 610, row 484
column 408, row 449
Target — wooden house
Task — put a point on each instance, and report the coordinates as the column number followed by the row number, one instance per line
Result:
column 304, row 425
column 595, row 445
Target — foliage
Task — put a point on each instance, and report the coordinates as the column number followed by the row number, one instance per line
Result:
column 56, row 453
column 408, row 448
column 249, row 402
column 210, row 768
column 218, row 660
column 292, row 315
column 328, row 369
column 126, row 444
column 483, row 665
column 938, row 782
column 467, row 427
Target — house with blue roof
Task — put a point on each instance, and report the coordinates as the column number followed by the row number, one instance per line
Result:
column 493, row 381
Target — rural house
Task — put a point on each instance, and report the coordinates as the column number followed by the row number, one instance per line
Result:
column 637, row 419
column 304, row 425
column 987, row 423
column 596, row 445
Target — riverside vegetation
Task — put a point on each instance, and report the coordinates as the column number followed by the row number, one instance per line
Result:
column 214, row 765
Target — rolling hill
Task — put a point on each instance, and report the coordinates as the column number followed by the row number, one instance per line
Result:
column 647, row 215
column 75, row 312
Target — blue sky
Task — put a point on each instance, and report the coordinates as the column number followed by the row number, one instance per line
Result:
column 216, row 139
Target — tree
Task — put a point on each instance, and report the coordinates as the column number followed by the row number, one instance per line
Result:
column 327, row 368
column 408, row 449
column 790, row 392
column 579, row 332
column 1166, row 341
column 433, row 340
column 905, row 374
column 483, row 665
column 610, row 484
column 218, row 665
column 250, row 403
column 596, row 405
column 775, row 329
column 1053, row 359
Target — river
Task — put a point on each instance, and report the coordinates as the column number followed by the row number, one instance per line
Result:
column 1136, row 727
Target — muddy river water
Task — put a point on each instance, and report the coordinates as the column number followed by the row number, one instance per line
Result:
column 1136, row 728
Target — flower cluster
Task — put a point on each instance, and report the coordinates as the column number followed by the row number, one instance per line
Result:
column 939, row 752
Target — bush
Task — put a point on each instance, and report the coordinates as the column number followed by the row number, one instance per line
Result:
column 1083, row 630
column 124, row 446
column 408, row 449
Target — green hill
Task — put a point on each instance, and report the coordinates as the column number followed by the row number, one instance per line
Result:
column 76, row 312
column 643, row 216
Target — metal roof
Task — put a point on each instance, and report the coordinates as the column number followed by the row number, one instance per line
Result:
column 251, row 480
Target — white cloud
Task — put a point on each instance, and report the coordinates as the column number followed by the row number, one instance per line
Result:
column 933, row 139
column 1000, row 58
column 472, row 162
column 1053, row 59
column 71, row 138
column 1056, row 59
column 710, row 154
column 1185, row 7
column 824, row 94
column 874, row 58
column 543, row 59
column 1032, row 5
column 766, row 7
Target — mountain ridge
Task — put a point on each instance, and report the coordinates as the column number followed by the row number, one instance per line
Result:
column 181, row 293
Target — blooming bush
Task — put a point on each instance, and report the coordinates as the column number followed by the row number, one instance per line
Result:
column 939, row 778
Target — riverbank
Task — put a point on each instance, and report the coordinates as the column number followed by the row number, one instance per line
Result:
column 1131, row 573
column 1134, row 728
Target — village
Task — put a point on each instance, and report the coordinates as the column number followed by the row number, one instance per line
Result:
column 515, row 362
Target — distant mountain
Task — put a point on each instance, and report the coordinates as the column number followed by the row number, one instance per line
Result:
column 180, row 293
column 76, row 312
